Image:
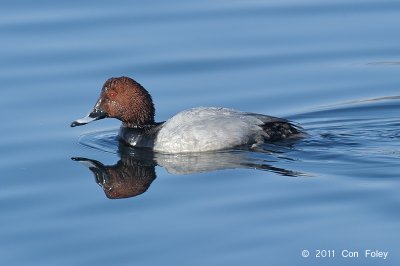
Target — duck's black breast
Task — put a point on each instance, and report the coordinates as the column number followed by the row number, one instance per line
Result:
column 140, row 136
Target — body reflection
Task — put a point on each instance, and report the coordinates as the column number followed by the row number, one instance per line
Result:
column 133, row 174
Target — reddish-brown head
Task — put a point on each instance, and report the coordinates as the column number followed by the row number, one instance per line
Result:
column 124, row 99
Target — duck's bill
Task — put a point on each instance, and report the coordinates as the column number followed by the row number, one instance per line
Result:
column 96, row 114
column 98, row 169
column 88, row 162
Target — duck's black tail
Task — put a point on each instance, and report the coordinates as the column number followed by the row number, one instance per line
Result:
column 281, row 130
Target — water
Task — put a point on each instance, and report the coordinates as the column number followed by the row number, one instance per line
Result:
column 330, row 66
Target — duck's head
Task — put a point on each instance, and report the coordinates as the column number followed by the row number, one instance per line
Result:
column 124, row 99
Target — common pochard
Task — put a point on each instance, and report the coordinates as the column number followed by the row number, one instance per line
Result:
column 193, row 130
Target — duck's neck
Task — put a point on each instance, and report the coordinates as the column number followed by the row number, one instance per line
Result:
column 141, row 126
column 138, row 126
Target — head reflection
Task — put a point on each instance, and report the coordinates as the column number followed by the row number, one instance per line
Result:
column 129, row 177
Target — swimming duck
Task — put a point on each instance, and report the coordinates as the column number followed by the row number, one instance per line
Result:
column 194, row 130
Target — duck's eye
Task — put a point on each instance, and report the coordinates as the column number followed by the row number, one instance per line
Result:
column 112, row 94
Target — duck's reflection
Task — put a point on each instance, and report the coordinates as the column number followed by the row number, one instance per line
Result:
column 135, row 171
column 128, row 178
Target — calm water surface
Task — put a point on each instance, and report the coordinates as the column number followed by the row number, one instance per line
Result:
column 77, row 197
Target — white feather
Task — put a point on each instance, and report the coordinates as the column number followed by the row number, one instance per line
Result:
column 209, row 128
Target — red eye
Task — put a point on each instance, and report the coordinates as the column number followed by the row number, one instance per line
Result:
column 112, row 94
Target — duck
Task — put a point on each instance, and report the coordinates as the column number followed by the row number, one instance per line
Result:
column 198, row 129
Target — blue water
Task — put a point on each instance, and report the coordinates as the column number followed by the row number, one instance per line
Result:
column 330, row 66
